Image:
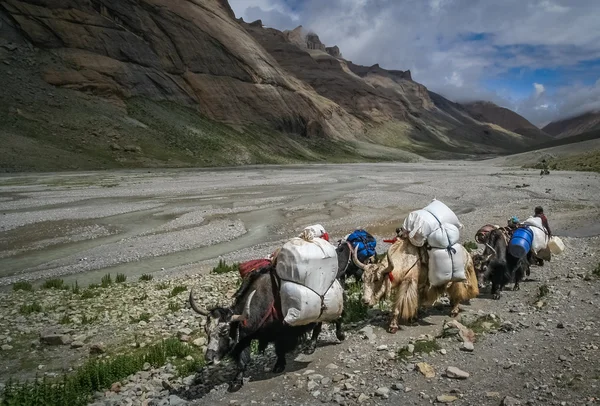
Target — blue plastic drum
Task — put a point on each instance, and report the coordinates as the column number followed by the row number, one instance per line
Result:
column 520, row 243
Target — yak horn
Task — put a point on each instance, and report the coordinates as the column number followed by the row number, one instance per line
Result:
column 355, row 259
column 195, row 306
column 246, row 313
column 492, row 248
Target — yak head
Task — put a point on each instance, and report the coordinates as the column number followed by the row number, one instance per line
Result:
column 375, row 279
column 221, row 328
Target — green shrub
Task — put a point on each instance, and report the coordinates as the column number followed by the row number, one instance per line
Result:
column 143, row 317
column 177, row 290
column 146, row 277
column 23, row 285
column 543, row 291
column 354, row 308
column 222, row 267
column 89, row 293
column 121, row 278
column 94, row 286
column 174, row 307
column 30, row 308
column 96, row 375
column 106, row 281
column 162, row 286
column 54, row 284
column 75, row 288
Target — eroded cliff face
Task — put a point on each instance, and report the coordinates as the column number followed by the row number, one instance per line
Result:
column 197, row 55
column 190, row 52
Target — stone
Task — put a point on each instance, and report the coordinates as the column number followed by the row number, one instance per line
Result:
column 77, row 344
column 443, row 351
column 510, row 401
column 492, row 394
column 398, row 387
column 312, row 385
column 362, row 398
column 6, row 347
column 383, row 392
column 176, row 401
column 410, row 348
column 97, row 348
column 332, row 366
column 425, row 369
column 382, row 347
column 348, row 386
column 455, row 373
column 446, row 398
column 115, row 387
column 184, row 331
column 199, row 342
column 53, row 337
column 467, row 346
column 367, row 332
column 337, row 378
column 184, row 338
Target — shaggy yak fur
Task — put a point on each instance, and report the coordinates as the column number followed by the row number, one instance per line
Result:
column 409, row 282
column 503, row 268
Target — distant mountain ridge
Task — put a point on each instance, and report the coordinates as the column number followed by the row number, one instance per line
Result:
column 185, row 83
column 574, row 125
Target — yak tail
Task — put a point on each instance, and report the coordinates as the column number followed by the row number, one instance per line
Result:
column 407, row 299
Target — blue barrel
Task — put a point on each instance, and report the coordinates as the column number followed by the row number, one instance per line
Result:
column 520, row 243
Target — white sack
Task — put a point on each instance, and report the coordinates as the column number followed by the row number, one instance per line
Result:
column 443, row 213
column 419, row 224
column 540, row 234
column 444, row 236
column 309, row 263
column 317, row 230
column 445, row 267
column 302, row 306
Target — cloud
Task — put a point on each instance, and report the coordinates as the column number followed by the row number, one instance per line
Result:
column 458, row 47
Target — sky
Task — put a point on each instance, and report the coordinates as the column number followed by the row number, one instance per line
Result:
column 540, row 58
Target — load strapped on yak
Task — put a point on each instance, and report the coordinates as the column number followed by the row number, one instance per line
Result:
column 439, row 227
column 363, row 243
column 307, row 266
column 530, row 236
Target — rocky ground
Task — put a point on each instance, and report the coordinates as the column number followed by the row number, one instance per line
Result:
column 538, row 345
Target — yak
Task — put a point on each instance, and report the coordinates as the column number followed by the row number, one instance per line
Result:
column 404, row 271
column 503, row 267
column 254, row 315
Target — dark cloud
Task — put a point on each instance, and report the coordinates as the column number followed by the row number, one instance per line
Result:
column 455, row 46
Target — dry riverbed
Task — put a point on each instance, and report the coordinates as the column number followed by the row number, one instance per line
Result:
column 176, row 225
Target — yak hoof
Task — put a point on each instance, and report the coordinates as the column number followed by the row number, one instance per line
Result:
column 279, row 368
column 235, row 386
column 310, row 349
column 516, row 287
column 393, row 330
column 340, row 336
column 496, row 296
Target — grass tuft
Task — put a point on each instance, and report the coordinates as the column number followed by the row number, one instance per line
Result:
column 222, row 267
column 174, row 307
column 146, row 277
column 27, row 309
column 143, row 317
column 543, row 291
column 106, row 281
column 23, row 285
column 420, row 347
column 162, row 286
column 470, row 246
column 75, row 288
column 88, row 320
column 177, row 290
column 121, row 278
column 96, row 375
column 54, row 284
column 354, row 308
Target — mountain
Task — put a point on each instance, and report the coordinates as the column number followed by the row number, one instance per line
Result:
column 575, row 125
column 489, row 112
column 124, row 83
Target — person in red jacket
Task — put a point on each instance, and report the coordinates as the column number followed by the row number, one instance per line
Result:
column 539, row 212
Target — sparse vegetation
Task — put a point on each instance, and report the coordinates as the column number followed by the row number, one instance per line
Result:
column 146, row 277
column 162, row 286
column 27, row 309
column 121, row 278
column 88, row 320
column 596, row 271
column 23, row 285
column 223, row 267
column 177, row 290
column 54, row 284
column 543, row 291
column 142, row 317
column 75, row 288
column 90, row 293
column 95, row 375
column 419, row 347
column 354, row 309
column 174, row 307
column 65, row 319
column 106, row 281
column 94, row 286
column 470, row 246
column 483, row 324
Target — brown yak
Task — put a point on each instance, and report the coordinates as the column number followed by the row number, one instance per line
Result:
column 404, row 272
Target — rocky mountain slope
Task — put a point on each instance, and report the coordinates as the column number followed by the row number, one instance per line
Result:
column 108, row 83
column 489, row 112
column 574, row 125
